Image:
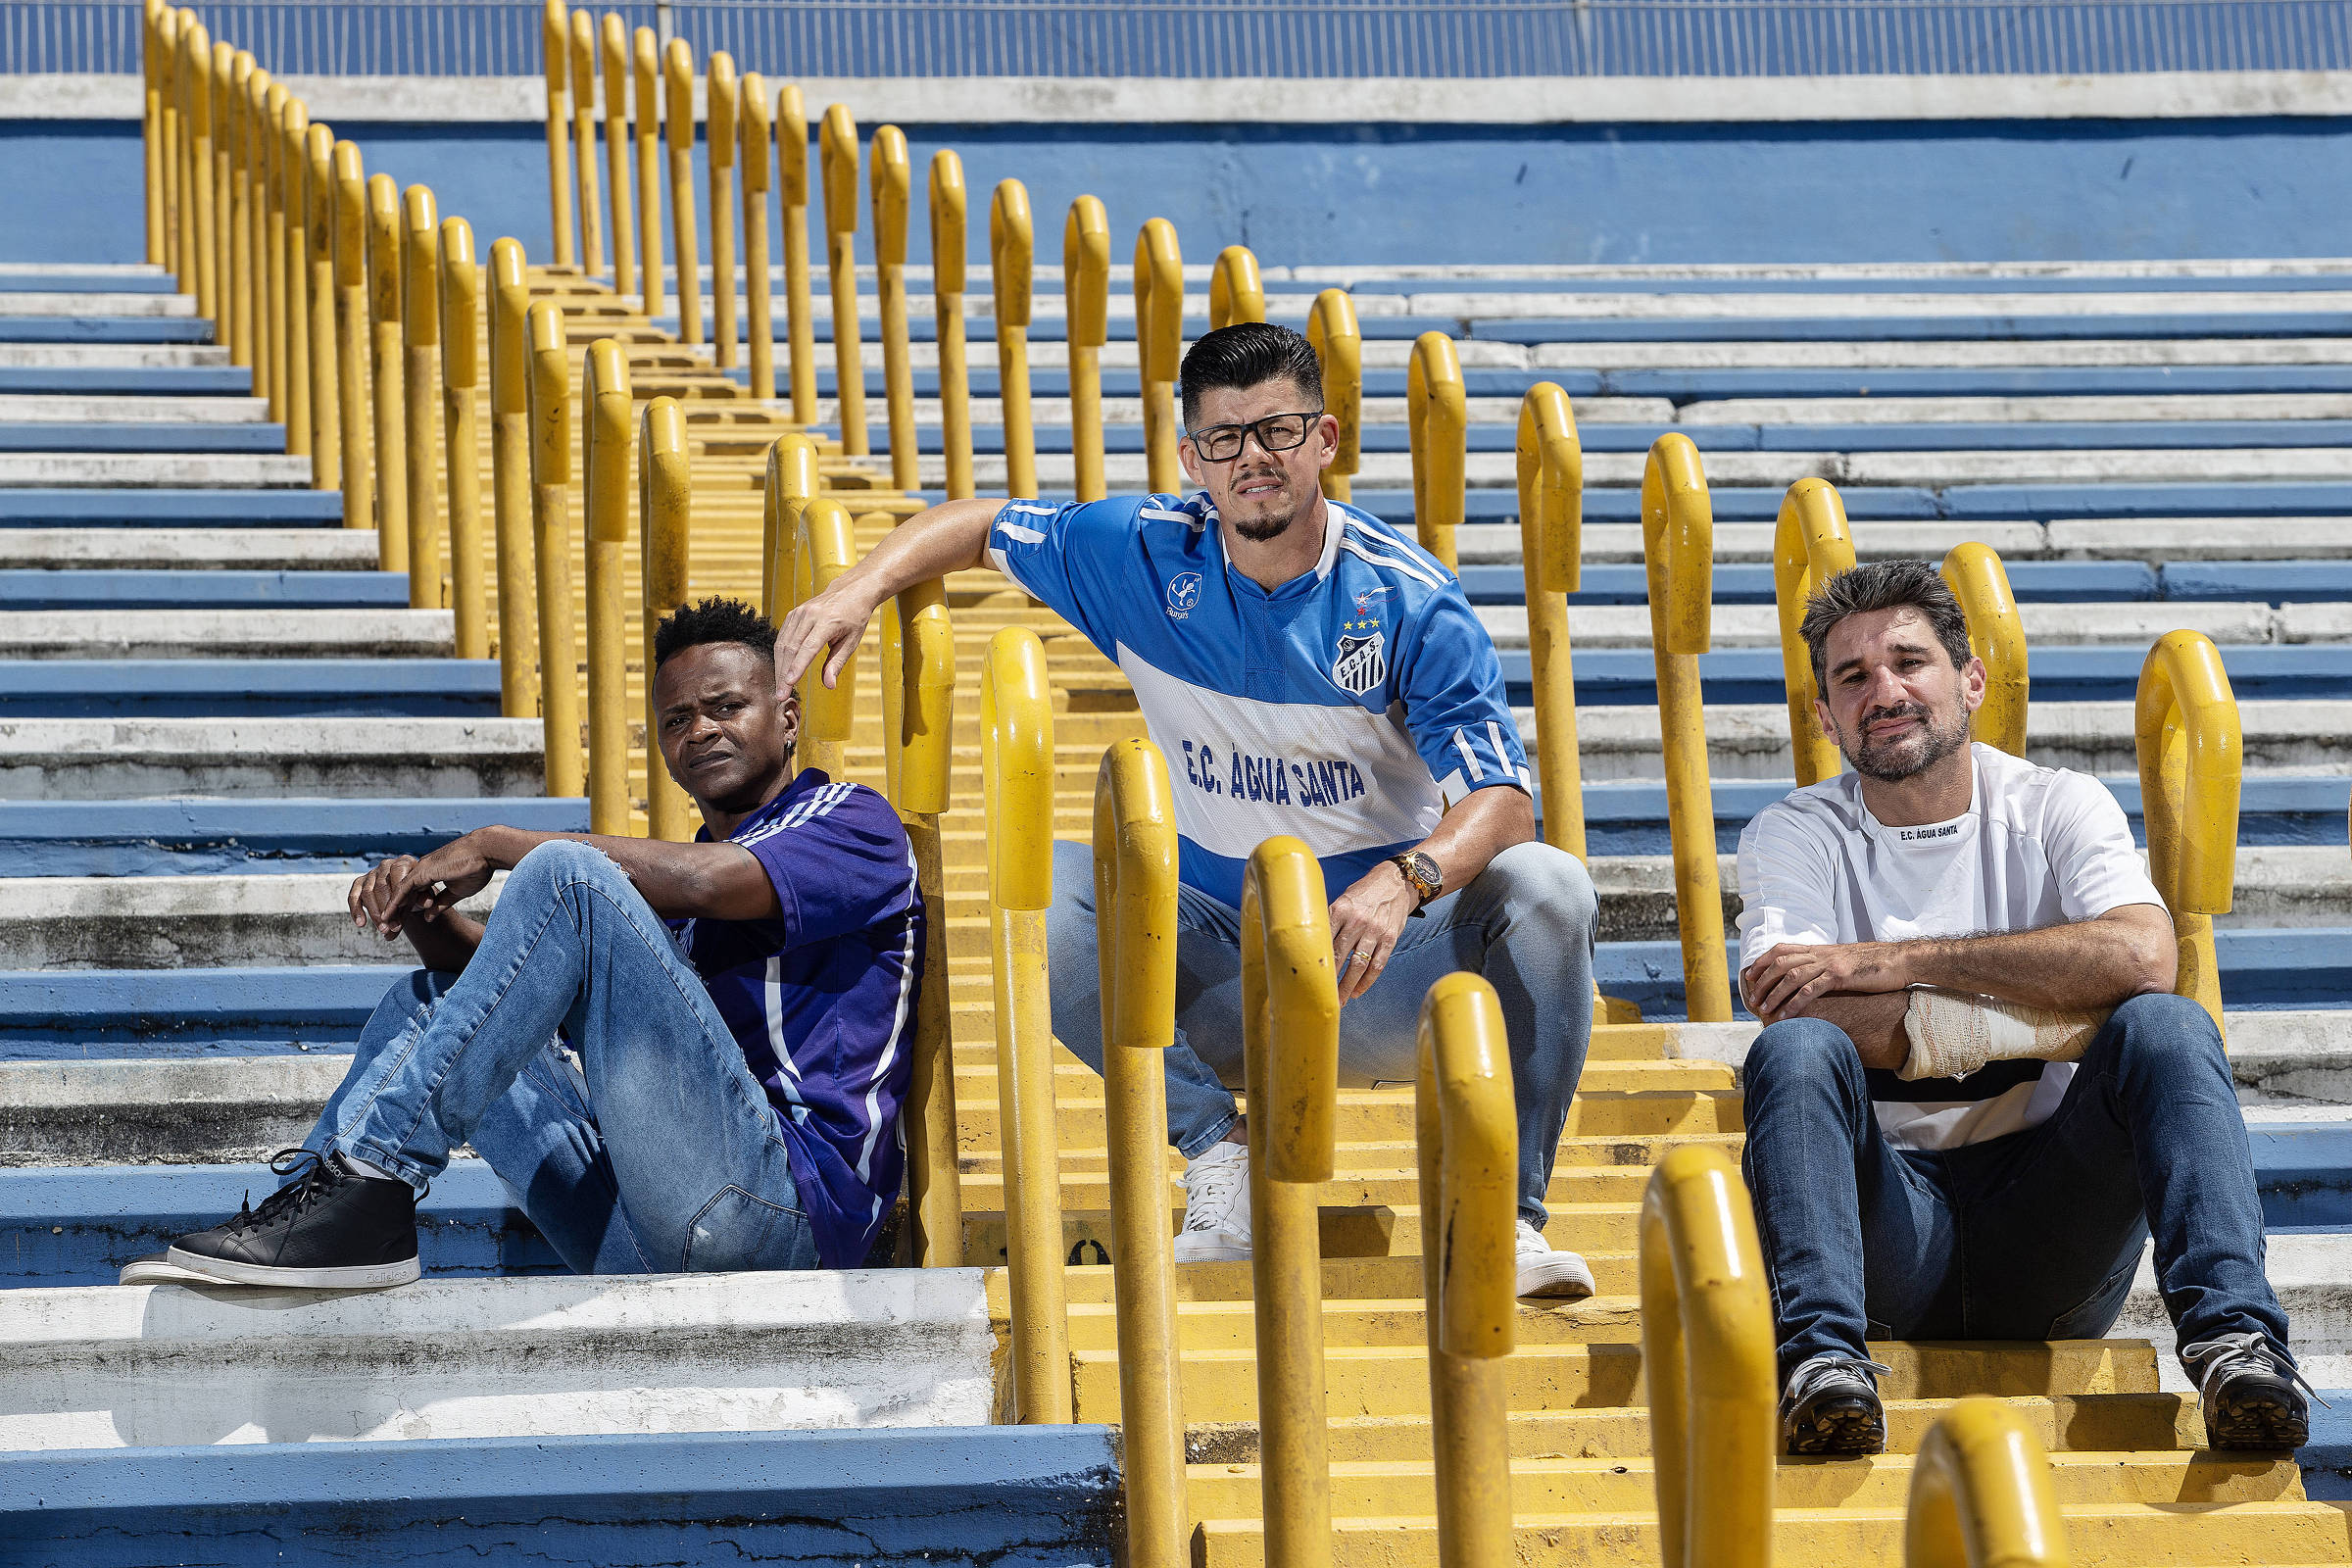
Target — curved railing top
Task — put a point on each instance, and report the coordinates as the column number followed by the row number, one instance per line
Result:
column 918, row 636
column 555, row 30
column 678, row 97
column 1552, row 487
column 826, row 546
column 757, row 130
column 892, row 183
column 1811, row 543
column 949, row 203
column 420, row 223
column 661, row 471
column 2185, row 709
column 1437, row 426
column 1016, row 751
column 1982, row 1495
column 792, row 145
column 1158, row 300
column 1086, row 273
column 1338, row 340
column 607, row 404
column 722, row 95
column 550, row 394
column 1136, row 889
column 1011, row 251
column 1290, row 986
column 837, row 160
column 1678, row 546
column 1975, row 574
column 1467, row 1127
column 461, row 303
column 510, row 333
column 1236, row 290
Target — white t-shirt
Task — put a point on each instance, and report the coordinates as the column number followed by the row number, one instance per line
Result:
column 2037, row 847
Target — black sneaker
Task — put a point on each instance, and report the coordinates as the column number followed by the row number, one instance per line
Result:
column 330, row 1229
column 2249, row 1393
column 1831, row 1408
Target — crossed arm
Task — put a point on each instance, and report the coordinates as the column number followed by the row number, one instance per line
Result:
column 1862, row 987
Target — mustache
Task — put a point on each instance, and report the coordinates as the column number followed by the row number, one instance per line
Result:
column 1916, row 711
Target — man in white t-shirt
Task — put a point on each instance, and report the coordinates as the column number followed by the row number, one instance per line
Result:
column 1976, row 1096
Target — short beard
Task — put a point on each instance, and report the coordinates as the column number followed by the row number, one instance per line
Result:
column 1900, row 760
column 1268, row 528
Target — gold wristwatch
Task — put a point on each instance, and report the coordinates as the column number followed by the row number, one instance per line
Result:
column 1421, row 871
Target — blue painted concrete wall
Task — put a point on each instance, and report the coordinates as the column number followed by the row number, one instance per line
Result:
column 1989, row 190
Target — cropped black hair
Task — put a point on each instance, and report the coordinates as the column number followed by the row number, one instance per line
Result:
column 1885, row 585
column 1244, row 355
column 714, row 621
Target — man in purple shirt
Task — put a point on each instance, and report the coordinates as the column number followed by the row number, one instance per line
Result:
column 677, row 1056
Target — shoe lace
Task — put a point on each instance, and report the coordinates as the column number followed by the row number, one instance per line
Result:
column 314, row 1177
column 1821, row 1368
column 2225, row 1354
column 1210, row 1190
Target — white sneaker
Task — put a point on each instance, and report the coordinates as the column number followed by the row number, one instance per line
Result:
column 1216, row 1206
column 1547, row 1273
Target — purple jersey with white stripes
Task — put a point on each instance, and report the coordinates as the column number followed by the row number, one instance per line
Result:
column 821, row 997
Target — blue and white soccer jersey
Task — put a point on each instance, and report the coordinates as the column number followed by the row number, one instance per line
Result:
column 1348, row 706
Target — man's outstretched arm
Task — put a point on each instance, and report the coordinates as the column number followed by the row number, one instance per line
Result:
column 951, row 536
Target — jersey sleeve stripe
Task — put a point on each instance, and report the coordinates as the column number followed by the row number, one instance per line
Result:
column 1502, row 753
column 897, row 1027
column 1356, row 548
column 1020, row 535
column 1461, row 744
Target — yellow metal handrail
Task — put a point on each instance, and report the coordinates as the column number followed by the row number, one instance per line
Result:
column 610, row 51
column 724, row 98
column 892, row 184
column 792, row 186
column 1551, row 526
column 677, row 79
column 664, row 519
column 949, row 236
column 293, row 259
column 645, row 124
column 420, row 436
column 1291, row 1028
column 233, row 87
column 1810, row 544
column 196, row 172
column 606, row 429
column 551, row 525
column 352, row 339
column 1011, row 252
column 1982, row 1495
column 1678, row 548
column 510, row 477
column 918, row 710
column 151, row 130
column 1135, row 902
column 837, row 147
column 170, row 95
column 1996, row 635
column 385, row 359
column 270, row 131
column 757, row 157
column 1235, row 291
column 1439, row 432
column 460, row 439
column 1707, row 1350
column 555, row 47
column 1466, row 1124
column 2191, row 756
column 1160, row 348
column 826, row 546
column 1016, row 755
column 1086, row 296
column 1338, row 343
column 326, row 409
column 790, row 481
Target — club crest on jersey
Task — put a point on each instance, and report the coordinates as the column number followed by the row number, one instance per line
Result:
column 1361, row 664
column 1184, row 592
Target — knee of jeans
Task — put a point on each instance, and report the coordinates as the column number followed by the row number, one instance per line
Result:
column 2160, row 1025
column 1546, row 887
column 407, row 999
column 556, row 862
column 1800, row 1050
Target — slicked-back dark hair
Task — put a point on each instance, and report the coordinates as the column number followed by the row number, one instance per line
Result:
column 1883, row 585
column 714, row 621
column 1244, row 355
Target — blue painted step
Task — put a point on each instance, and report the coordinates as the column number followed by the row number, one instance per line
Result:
column 1825, row 283
column 183, row 838
column 1004, row 1496
column 70, row 279
column 107, row 381
column 189, row 436
column 102, row 507
column 103, row 328
column 1622, row 582
column 226, row 688
column 1908, row 329
column 2305, row 1172
column 2327, row 1459
column 94, row 589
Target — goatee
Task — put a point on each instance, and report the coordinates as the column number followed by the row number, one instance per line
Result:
column 1900, row 760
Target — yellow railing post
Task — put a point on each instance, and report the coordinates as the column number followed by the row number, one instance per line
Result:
column 1439, row 430
column 1086, row 297
column 602, row 48
column 1678, row 548
column 584, row 43
column 677, row 74
column 949, row 234
column 1016, row 749
column 1011, row 252
column 1998, row 637
column 236, row 195
column 759, row 163
column 665, row 516
column 318, row 277
column 254, row 187
column 1708, row 1350
column 2191, row 756
column 1160, row 348
column 1290, row 1038
column 838, row 156
column 460, row 433
column 1982, row 1495
column 893, row 188
column 605, row 431
column 270, row 229
column 723, row 99
column 162, row 40
column 1339, row 342
column 420, row 326
column 1134, row 899
column 1552, row 525
column 790, row 481
column 1810, row 544
column 353, row 342
column 792, row 186
column 825, row 545
column 645, row 125
column 227, row 284
column 1467, row 1127
column 386, row 353
column 555, row 47
column 1236, row 292
column 510, row 475
column 551, row 518
column 291, row 260
column 151, row 125
column 196, row 179
column 919, row 712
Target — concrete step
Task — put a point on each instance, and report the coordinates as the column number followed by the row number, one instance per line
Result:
column 283, row 687
column 57, row 436
column 101, row 305
column 2052, row 630
column 66, row 759
column 101, row 329
column 221, row 587
column 169, row 501
column 180, row 554
column 2309, row 1271
column 2254, row 583
column 2154, row 542
column 150, row 470
column 18, row 408
column 185, row 837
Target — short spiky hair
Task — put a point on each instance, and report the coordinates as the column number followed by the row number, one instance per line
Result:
column 714, row 621
column 1883, row 585
column 1244, row 355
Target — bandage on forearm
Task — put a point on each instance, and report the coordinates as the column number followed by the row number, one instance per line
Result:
column 1953, row 1033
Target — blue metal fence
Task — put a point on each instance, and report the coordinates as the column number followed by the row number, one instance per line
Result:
column 1221, row 38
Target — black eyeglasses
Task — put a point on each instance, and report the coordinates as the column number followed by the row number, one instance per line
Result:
column 1276, row 432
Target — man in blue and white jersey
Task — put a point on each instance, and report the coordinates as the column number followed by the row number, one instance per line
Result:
column 1305, row 669
column 737, row 1012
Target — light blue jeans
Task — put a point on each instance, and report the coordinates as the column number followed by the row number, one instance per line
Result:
column 654, row 1151
column 1526, row 923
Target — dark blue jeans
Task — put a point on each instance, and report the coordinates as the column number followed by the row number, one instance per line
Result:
column 2035, row 1236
